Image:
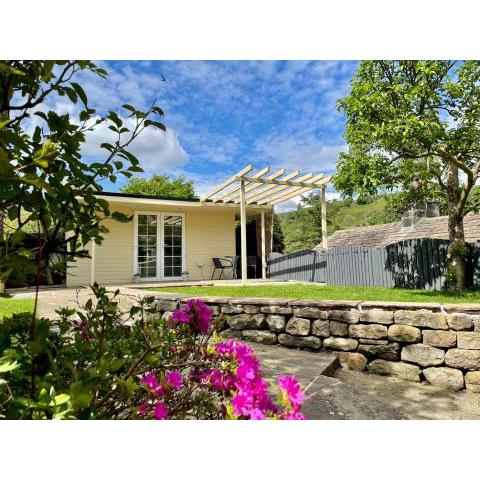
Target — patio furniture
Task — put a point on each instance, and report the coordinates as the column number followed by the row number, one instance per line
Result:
column 252, row 263
column 222, row 264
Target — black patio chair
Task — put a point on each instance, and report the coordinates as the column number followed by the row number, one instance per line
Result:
column 222, row 264
column 252, row 263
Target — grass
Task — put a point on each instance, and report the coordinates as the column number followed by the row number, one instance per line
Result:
column 319, row 292
column 10, row 305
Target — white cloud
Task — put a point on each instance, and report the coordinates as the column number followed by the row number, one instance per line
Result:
column 298, row 152
column 157, row 151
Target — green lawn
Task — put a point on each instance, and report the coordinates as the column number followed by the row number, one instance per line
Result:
column 328, row 293
column 9, row 305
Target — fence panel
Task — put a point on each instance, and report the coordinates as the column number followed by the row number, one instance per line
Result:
column 418, row 263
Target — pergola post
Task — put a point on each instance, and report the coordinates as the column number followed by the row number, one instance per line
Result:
column 264, row 259
column 243, row 232
column 92, row 263
column 324, row 217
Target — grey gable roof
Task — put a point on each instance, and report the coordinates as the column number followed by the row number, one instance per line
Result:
column 385, row 234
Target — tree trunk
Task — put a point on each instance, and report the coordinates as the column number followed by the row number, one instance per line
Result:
column 457, row 250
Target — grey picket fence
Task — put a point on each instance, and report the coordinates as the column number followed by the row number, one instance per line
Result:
column 419, row 263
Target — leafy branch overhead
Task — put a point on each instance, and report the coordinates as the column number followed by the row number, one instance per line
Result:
column 44, row 179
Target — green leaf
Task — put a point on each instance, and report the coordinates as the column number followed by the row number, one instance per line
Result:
column 60, row 399
column 80, row 92
column 9, row 366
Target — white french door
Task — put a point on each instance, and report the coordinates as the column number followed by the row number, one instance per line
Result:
column 159, row 244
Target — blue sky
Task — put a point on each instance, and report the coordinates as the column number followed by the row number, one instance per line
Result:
column 222, row 115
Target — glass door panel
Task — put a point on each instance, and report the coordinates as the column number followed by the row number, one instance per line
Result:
column 172, row 246
column 147, row 246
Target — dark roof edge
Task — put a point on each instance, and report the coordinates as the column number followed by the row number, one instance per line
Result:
column 151, row 197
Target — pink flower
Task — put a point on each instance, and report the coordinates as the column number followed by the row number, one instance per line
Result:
column 201, row 315
column 151, row 382
column 143, row 409
column 242, row 403
column 257, row 414
column 160, row 411
column 181, row 316
column 294, row 416
column 174, row 379
column 292, row 389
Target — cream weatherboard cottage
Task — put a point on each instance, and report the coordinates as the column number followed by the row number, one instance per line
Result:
column 172, row 239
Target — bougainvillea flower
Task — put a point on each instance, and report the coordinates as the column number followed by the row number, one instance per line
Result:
column 292, row 389
column 174, row 379
column 160, row 411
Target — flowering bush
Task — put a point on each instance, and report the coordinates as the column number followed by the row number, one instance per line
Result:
column 106, row 364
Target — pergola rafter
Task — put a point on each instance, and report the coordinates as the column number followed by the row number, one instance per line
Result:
column 245, row 189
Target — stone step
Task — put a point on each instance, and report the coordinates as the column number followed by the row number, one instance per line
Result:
column 325, row 397
column 305, row 365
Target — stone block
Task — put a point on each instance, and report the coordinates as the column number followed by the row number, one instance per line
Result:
column 377, row 315
column 340, row 343
column 310, row 312
column 229, row 333
column 371, row 341
column 373, row 331
column 276, row 323
column 352, row 361
column 468, row 340
column 300, row 342
column 260, row 336
column 444, row 377
column 251, row 309
column 459, row 321
column 440, row 338
column 276, row 310
column 422, row 319
column 166, row 305
column 245, row 321
column 298, row 326
column 346, row 316
column 405, row 371
column 423, row 355
column 338, row 329
column 460, row 358
column 320, row 328
column 404, row 333
column 472, row 381
column 232, row 309
column 390, row 351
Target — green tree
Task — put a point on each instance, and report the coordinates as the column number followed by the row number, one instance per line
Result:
column 160, row 185
column 411, row 123
column 44, row 180
column 278, row 238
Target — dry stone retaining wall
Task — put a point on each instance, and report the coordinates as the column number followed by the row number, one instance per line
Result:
column 412, row 341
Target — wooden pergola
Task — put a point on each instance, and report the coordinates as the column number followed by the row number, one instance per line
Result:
column 260, row 188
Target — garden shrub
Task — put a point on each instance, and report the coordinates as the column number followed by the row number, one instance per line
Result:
column 99, row 362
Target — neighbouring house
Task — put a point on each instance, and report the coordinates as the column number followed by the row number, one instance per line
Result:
column 421, row 221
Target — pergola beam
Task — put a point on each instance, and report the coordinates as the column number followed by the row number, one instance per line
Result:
column 226, row 183
column 262, row 192
column 276, row 189
column 236, row 189
column 318, row 181
column 235, row 192
column 289, row 183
